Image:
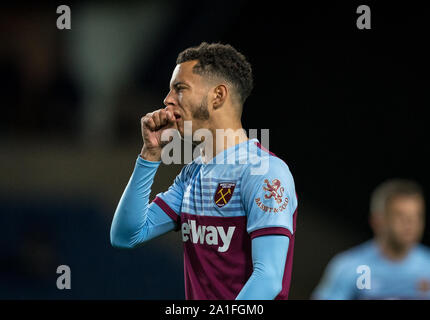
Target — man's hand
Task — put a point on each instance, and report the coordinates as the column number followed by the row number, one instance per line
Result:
column 153, row 125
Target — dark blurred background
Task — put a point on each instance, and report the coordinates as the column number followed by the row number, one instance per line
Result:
column 345, row 108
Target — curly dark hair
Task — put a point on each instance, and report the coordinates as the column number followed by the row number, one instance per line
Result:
column 221, row 60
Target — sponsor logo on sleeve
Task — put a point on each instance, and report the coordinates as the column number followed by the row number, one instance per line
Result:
column 424, row 285
column 273, row 190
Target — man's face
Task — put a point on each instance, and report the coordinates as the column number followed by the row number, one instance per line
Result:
column 188, row 97
column 404, row 220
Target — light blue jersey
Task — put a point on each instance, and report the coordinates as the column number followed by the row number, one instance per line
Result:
column 386, row 279
column 243, row 193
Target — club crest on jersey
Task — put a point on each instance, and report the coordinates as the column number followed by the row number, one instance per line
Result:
column 223, row 193
column 275, row 190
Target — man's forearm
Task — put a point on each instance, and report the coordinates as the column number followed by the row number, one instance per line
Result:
column 131, row 213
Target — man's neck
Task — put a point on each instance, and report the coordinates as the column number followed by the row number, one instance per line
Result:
column 224, row 139
column 392, row 252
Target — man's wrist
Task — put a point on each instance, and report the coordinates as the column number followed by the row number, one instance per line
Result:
column 148, row 155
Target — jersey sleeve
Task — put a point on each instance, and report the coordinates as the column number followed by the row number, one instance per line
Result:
column 270, row 200
column 265, row 282
column 135, row 222
column 170, row 201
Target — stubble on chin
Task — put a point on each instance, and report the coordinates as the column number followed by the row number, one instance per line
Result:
column 201, row 112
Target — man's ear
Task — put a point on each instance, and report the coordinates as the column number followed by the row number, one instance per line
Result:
column 219, row 95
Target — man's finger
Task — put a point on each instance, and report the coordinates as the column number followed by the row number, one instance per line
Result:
column 163, row 117
column 170, row 117
column 149, row 123
column 156, row 119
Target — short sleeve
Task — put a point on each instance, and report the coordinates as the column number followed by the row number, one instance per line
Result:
column 270, row 200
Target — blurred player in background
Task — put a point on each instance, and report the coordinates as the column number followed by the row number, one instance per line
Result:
column 237, row 227
column 398, row 266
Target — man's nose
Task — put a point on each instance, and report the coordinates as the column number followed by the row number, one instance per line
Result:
column 169, row 100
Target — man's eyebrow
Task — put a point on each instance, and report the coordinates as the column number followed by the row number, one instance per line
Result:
column 178, row 83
